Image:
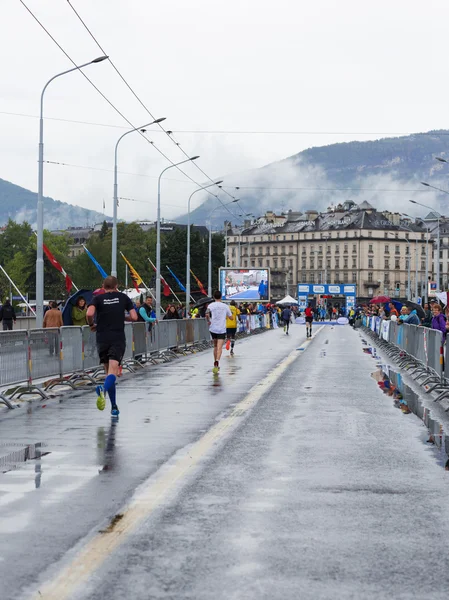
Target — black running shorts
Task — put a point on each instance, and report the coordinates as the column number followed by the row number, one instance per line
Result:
column 111, row 351
column 217, row 336
column 230, row 333
column 309, row 319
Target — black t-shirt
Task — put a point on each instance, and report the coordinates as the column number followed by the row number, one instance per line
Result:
column 110, row 319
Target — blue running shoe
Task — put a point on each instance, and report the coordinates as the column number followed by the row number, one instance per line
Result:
column 115, row 411
column 101, row 402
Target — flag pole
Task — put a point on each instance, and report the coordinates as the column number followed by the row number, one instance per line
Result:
column 17, row 289
column 171, row 290
column 191, row 297
column 145, row 285
column 73, row 283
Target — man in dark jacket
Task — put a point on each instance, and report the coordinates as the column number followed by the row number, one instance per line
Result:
column 7, row 315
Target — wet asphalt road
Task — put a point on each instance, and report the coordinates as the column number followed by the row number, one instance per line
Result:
column 324, row 491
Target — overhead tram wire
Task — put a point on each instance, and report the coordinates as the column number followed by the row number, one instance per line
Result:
column 230, row 132
column 187, row 155
column 112, row 105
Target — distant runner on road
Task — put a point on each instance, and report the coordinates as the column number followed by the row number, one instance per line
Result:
column 231, row 327
column 110, row 309
column 309, row 320
column 216, row 315
column 286, row 316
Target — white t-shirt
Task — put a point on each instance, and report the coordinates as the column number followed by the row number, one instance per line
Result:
column 218, row 313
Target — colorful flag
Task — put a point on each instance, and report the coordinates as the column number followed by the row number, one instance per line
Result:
column 181, row 287
column 54, row 262
column 166, row 291
column 96, row 263
column 200, row 285
column 137, row 279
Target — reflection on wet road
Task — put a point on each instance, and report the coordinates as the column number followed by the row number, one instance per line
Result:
column 66, row 469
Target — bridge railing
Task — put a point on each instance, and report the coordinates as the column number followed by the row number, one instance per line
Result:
column 418, row 349
column 68, row 355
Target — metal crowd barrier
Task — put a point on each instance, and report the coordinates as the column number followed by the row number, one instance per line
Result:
column 417, row 349
column 68, row 356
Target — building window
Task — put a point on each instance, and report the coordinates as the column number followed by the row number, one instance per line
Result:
column 260, row 262
column 268, row 262
column 312, row 262
column 407, row 250
column 386, row 235
column 354, row 263
column 354, row 277
column 233, row 252
column 354, row 248
column 423, row 251
column 267, row 251
column 338, row 234
column 285, row 237
column 387, row 263
column 370, row 263
column 345, row 248
column 406, row 263
column 370, row 248
column 283, row 249
column 290, row 249
column 441, row 254
column 253, row 263
column 370, row 277
column 313, row 236
column 292, row 237
column 320, row 263
column 303, row 263
column 396, row 263
column 328, row 263
column 337, row 248
column 312, row 277
column 345, row 277
column 275, row 250
column 370, row 234
column 312, row 249
column 245, row 263
column 283, row 263
column 320, row 249
column 423, row 265
column 275, row 263
column 291, row 264
column 345, row 263
column 337, row 263
column 337, row 277
column 303, row 277
column 386, row 278
column 328, row 250
column 387, row 249
column 397, row 249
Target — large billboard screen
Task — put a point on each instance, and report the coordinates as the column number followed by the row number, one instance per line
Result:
column 245, row 284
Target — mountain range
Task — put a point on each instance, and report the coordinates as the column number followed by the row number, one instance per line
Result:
column 20, row 204
column 386, row 172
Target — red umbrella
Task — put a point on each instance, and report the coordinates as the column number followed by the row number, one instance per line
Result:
column 380, row 300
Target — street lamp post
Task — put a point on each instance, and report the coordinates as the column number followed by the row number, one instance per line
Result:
column 209, row 265
column 158, row 234
column 40, row 198
column 438, row 232
column 188, row 243
column 114, row 211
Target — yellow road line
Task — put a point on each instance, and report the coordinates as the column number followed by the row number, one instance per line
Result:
column 152, row 494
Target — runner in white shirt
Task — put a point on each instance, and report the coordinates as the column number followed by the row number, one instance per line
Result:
column 216, row 317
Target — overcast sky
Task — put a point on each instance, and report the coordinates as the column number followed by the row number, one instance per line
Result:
column 211, row 66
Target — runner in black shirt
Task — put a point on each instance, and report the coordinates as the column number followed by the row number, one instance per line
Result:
column 110, row 309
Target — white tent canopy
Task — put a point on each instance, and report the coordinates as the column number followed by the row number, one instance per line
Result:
column 287, row 300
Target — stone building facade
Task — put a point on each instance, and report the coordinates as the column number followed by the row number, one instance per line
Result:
column 353, row 244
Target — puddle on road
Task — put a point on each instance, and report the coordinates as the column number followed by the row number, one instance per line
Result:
column 16, row 459
column 410, row 403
